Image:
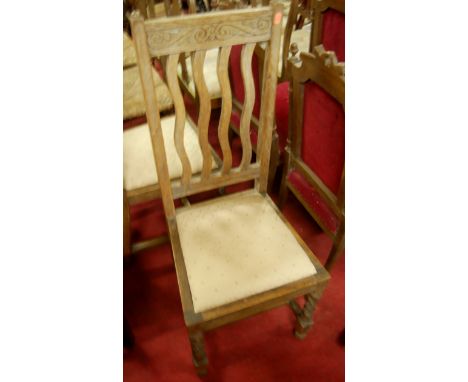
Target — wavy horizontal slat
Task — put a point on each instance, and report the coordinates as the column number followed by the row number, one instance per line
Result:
column 204, row 112
column 173, row 84
column 226, row 108
column 249, row 98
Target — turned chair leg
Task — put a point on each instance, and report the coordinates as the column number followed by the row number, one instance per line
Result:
column 127, row 242
column 295, row 307
column 337, row 248
column 274, row 161
column 128, row 338
column 304, row 318
column 198, row 352
column 283, row 191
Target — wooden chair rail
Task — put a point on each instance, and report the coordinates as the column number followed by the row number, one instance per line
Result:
column 331, row 199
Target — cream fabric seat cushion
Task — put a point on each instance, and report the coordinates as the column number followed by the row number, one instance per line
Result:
column 129, row 54
column 133, row 99
column 237, row 247
column 209, row 72
column 139, row 166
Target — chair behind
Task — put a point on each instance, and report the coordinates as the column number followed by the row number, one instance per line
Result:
column 315, row 148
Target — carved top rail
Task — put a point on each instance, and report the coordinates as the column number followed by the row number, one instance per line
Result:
column 207, row 31
column 323, row 68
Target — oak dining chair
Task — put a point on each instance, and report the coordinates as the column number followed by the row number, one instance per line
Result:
column 235, row 255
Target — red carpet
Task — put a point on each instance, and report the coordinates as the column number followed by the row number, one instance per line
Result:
column 261, row 348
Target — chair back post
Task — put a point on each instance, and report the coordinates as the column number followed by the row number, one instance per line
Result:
column 267, row 108
column 152, row 113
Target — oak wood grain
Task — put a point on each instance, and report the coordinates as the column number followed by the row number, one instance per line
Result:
column 205, row 110
column 226, row 107
column 207, row 31
column 173, row 84
column 249, row 99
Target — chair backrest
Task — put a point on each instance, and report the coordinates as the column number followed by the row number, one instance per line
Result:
column 196, row 34
column 316, row 131
column 328, row 26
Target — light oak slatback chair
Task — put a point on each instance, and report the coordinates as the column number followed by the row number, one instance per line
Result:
column 314, row 169
column 235, row 255
column 328, row 26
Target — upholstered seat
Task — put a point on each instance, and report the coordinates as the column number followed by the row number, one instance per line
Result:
column 238, row 247
column 133, row 100
column 129, row 55
column 139, row 166
column 209, row 72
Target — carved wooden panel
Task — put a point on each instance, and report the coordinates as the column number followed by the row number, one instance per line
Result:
column 207, row 31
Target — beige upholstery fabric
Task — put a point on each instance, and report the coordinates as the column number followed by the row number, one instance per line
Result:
column 238, row 247
column 129, row 54
column 133, row 99
column 139, row 166
column 209, row 71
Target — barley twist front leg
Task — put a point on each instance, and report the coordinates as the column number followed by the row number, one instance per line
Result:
column 198, row 352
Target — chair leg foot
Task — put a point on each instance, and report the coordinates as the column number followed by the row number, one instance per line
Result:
column 304, row 318
column 199, row 358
